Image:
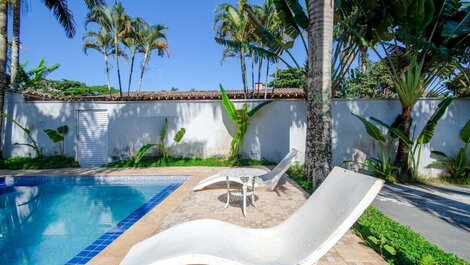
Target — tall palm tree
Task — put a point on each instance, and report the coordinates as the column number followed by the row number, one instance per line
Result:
column 154, row 39
column 3, row 58
column 318, row 140
column 117, row 22
column 133, row 42
column 61, row 12
column 102, row 42
column 231, row 23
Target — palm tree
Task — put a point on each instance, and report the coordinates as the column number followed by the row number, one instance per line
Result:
column 102, row 42
column 320, row 39
column 3, row 57
column 61, row 12
column 153, row 40
column 133, row 42
column 117, row 23
column 231, row 23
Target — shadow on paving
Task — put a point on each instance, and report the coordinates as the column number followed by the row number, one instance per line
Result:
column 446, row 203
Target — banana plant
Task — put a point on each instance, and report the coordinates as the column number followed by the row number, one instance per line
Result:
column 382, row 166
column 457, row 166
column 164, row 150
column 416, row 145
column 241, row 119
column 58, row 136
column 34, row 145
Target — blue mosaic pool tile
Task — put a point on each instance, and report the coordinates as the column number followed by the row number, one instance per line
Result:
column 107, row 238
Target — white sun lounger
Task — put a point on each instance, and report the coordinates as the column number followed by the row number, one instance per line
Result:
column 266, row 181
column 302, row 239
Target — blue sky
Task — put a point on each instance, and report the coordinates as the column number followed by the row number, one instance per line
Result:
column 194, row 62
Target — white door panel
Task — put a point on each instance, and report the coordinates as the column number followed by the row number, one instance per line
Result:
column 92, row 138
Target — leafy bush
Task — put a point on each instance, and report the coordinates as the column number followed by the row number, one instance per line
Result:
column 410, row 247
column 296, row 173
column 58, row 136
column 186, row 162
column 45, row 162
column 288, row 78
column 69, row 88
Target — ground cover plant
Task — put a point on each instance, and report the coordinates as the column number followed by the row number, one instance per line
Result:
column 396, row 243
column 186, row 162
column 45, row 162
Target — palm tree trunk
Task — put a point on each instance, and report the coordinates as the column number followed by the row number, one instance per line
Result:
column 3, row 61
column 117, row 64
column 267, row 77
column 243, row 66
column 318, row 140
column 260, row 66
column 130, row 75
column 364, row 59
column 275, row 78
column 402, row 156
column 15, row 47
column 252, row 74
column 144, row 63
column 107, row 72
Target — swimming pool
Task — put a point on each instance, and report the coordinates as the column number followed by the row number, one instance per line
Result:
column 69, row 220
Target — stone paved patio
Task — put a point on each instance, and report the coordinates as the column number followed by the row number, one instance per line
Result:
column 185, row 205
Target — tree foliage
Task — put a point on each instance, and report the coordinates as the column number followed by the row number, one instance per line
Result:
column 288, row 78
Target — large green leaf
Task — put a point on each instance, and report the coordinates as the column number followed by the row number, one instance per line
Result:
column 179, row 135
column 142, row 152
column 258, row 107
column 428, row 131
column 371, row 129
column 63, row 129
column 228, row 105
column 465, row 132
column 163, row 131
column 461, row 159
column 395, row 131
column 54, row 135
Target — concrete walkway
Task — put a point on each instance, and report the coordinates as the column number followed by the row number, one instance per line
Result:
column 439, row 213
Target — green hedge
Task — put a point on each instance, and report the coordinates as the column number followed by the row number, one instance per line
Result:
column 410, row 247
column 47, row 162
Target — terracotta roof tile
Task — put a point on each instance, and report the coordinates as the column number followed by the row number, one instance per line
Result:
column 162, row 95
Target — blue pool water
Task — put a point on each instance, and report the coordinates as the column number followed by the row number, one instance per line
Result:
column 59, row 220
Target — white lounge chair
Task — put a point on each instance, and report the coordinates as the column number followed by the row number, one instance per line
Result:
column 266, row 181
column 302, row 239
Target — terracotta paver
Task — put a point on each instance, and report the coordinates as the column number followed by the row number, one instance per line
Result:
column 184, row 205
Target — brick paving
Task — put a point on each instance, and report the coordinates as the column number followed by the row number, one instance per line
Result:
column 185, row 205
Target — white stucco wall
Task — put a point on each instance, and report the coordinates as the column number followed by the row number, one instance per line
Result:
column 275, row 129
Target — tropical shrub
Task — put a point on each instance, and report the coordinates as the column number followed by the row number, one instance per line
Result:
column 457, row 166
column 33, row 144
column 165, row 151
column 415, row 146
column 58, row 136
column 45, row 162
column 241, row 118
column 381, row 167
column 34, row 77
column 289, row 78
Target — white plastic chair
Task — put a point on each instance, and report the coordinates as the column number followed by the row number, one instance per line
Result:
column 267, row 181
column 302, row 239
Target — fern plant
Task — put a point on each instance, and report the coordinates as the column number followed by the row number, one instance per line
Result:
column 241, row 119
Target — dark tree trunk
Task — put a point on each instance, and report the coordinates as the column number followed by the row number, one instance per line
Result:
column 3, row 62
column 243, row 69
column 130, row 75
column 364, row 59
column 403, row 152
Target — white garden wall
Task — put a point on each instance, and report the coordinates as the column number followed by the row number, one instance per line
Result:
column 275, row 129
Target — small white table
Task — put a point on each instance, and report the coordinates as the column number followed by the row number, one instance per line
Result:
column 247, row 177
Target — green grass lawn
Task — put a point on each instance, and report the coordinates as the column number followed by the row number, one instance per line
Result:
column 187, row 162
column 46, row 162
column 396, row 243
